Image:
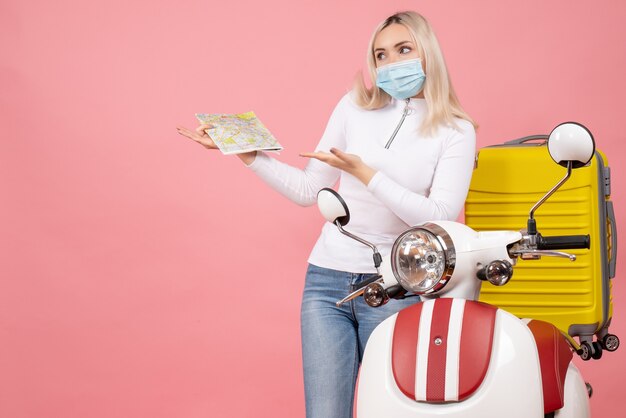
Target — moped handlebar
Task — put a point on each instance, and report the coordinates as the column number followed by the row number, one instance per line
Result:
column 364, row 283
column 563, row 242
column 360, row 289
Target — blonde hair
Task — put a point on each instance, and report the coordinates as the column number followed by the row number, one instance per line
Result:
column 442, row 102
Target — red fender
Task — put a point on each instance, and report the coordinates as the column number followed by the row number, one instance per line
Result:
column 554, row 357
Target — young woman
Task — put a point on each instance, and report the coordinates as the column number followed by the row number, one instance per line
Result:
column 403, row 152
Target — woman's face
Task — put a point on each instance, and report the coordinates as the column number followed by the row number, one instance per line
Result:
column 394, row 44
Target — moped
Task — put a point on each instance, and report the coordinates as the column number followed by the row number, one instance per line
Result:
column 450, row 355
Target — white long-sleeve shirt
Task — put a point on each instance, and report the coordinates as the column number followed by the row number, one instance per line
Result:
column 418, row 178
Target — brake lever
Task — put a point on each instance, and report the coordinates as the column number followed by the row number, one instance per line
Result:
column 529, row 254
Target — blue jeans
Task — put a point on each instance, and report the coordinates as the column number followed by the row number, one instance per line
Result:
column 333, row 339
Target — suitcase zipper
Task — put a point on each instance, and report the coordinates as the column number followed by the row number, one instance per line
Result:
column 404, row 113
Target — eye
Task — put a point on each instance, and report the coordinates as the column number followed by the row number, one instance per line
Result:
column 380, row 56
column 405, row 50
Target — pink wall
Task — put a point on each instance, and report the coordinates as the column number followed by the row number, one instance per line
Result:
column 138, row 272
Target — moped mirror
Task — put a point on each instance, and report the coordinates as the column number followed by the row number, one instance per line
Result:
column 333, row 207
column 335, row 210
column 571, row 141
column 571, row 145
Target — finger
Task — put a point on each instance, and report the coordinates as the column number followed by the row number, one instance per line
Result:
column 339, row 154
column 193, row 136
column 201, row 130
column 315, row 153
column 329, row 159
column 310, row 154
column 322, row 156
column 186, row 132
column 181, row 128
column 315, row 156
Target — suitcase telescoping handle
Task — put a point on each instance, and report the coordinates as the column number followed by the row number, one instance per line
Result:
column 563, row 242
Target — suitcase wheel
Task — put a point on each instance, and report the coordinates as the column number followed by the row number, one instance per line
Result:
column 610, row 342
column 597, row 350
column 585, row 351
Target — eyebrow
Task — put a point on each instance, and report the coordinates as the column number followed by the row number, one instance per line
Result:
column 395, row 46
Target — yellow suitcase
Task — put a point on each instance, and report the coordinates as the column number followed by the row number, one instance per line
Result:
column 508, row 180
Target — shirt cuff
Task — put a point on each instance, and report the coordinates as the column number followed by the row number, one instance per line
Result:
column 257, row 162
column 375, row 180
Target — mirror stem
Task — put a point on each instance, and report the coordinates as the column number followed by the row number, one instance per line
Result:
column 532, row 227
column 377, row 257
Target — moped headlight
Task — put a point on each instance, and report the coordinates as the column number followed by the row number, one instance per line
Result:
column 423, row 259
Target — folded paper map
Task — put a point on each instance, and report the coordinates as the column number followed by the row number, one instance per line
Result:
column 234, row 134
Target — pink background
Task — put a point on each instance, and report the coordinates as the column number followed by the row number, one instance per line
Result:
column 143, row 276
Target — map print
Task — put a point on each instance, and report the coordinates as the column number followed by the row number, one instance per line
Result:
column 243, row 132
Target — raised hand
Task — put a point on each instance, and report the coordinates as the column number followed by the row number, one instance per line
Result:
column 202, row 138
column 199, row 135
column 350, row 163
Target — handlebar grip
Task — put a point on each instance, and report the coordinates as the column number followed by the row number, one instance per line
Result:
column 396, row 292
column 563, row 242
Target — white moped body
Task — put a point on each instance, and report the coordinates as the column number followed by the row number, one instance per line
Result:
column 450, row 356
column 512, row 384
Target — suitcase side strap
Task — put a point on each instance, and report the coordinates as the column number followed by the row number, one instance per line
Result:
column 610, row 216
column 526, row 139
